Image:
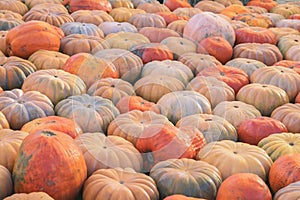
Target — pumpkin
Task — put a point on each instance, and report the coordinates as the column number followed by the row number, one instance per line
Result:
column 214, row 45
column 81, row 28
column 178, row 26
column 141, row 20
column 74, row 5
column 233, row 10
column 153, row 7
column 127, row 64
column 273, row 17
column 112, row 89
column 255, row 20
column 54, row 123
column 258, row 94
column 9, row 23
column 295, row 65
column 289, row 192
column 286, row 10
column 283, row 31
column 255, row 35
column 14, row 5
column 256, row 9
column 129, row 103
column 136, row 3
column 131, row 125
column 234, row 77
column 122, row 14
column 6, row 184
column 60, row 84
column 210, row 6
column 181, row 197
column 3, row 122
column 245, row 64
column 91, row 16
column 44, row 59
column 121, row 3
column 198, row 179
column 21, row 39
column 115, row 27
column 28, row 196
column 32, row 3
column 266, row 53
column 10, row 143
column 244, row 157
column 274, row 76
column 34, row 153
column 179, row 46
column 9, row 14
column 293, row 53
column 170, row 17
column 213, row 89
column 52, row 6
column 244, row 186
column 206, row 24
column 119, row 183
column 284, row 171
column 3, row 47
column 174, row 4
column 227, row 3
column 294, row 16
column 13, row 72
column 238, row 24
column 90, row 68
column 288, row 114
column 21, row 107
column 187, row 12
column 290, row 23
column 286, row 42
column 236, row 112
column 267, row 4
column 156, row 35
column 213, row 127
column 179, row 104
column 297, row 99
column 81, row 43
column 101, row 152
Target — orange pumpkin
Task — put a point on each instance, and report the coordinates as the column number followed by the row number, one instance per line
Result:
column 129, row 103
column 74, row 5
column 28, row 196
column 267, row 4
column 3, row 122
column 255, row 35
column 181, row 197
column 174, row 4
column 234, row 10
column 156, row 35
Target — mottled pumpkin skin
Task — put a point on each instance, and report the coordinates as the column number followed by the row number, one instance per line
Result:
column 129, row 103
column 29, row 196
column 267, row 4
column 246, row 186
column 284, row 171
column 75, row 5
column 49, row 161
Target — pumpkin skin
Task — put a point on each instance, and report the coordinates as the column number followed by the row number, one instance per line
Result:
column 210, row 6
column 170, row 17
column 286, row 10
column 233, row 10
column 129, row 103
column 20, row 40
column 98, row 110
column 6, row 185
column 81, row 28
column 122, row 14
column 131, row 125
column 174, row 4
column 244, row 157
column 178, row 26
column 286, row 42
column 245, row 186
column 179, row 46
column 255, row 20
column 91, row 16
column 156, row 35
column 297, row 99
column 279, row 144
column 44, row 59
column 75, row 5
column 13, row 72
column 54, row 80
column 199, row 179
column 283, row 31
column 115, row 27
column 119, row 183
column 31, row 195
column 21, row 107
column 267, row 4
column 101, row 152
column 14, row 5
column 290, row 23
column 122, row 3
column 284, row 171
column 252, row 131
column 10, row 142
column 3, row 46
column 293, row 53
column 257, row 94
column 289, row 192
column 256, row 9
column 288, row 114
column 9, row 23
column 255, row 35
column 9, row 14
column 65, row 163
column 141, row 20
column 153, row 7
column 3, row 122
column 55, row 123
column 90, row 68
column 181, row 197
column 245, row 64
column 32, row 3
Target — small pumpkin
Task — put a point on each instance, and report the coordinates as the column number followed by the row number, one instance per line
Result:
column 44, row 59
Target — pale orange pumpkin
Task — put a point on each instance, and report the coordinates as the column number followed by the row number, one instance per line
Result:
column 29, row 196
column 91, row 16
column 44, row 59
column 6, row 184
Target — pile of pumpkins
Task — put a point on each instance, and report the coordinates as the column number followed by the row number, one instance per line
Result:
column 142, row 100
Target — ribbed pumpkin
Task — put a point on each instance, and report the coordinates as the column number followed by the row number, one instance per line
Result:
column 153, row 7
column 90, row 68
column 13, row 72
column 187, row 12
column 31, row 3
column 101, row 152
column 289, row 115
column 10, row 142
column 264, row 97
column 284, row 171
column 257, row 9
column 233, row 10
column 213, row 127
column 99, row 112
column 245, row 64
column 130, row 125
column 273, row 17
column 198, row 178
column 9, row 14
column 7, row 24
column 244, row 157
column 141, row 20
column 55, row 123
column 122, row 14
column 210, row 6
column 51, row 5
column 3, row 46
column 60, row 162
column 293, row 53
column 119, row 183
column 286, row 10
column 289, row 192
column 115, row 27
column 181, row 197
column 157, row 34
column 60, row 84
column 91, row 16
column 179, row 46
column 74, row 5
column 247, row 186
column 44, row 59
column 174, row 4
column 129, row 103
column 81, row 28
column 178, row 26
column 280, row 32
column 3, row 122
column 255, row 35
column 21, row 40
column 28, row 196
column 255, row 20
column 267, row 4
column 21, row 107
column 286, row 42
column 170, row 17
column 6, row 184
column 14, row 5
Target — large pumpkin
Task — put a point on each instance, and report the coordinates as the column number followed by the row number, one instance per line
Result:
column 6, row 184
column 22, row 41
column 187, row 177
column 49, row 161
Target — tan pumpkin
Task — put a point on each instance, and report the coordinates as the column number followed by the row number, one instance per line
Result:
column 256, row 9
column 3, row 122
column 286, row 10
column 141, row 20
column 280, row 144
column 91, row 16
column 29, row 196
column 115, row 27
column 3, row 46
column 121, row 3
column 245, row 64
column 274, row 76
column 293, row 53
column 178, row 26
column 238, row 24
column 10, row 143
column 101, row 152
column 286, row 42
column 31, row 3
column 210, row 6
column 153, row 7
column 21, row 107
column 289, row 115
column 157, row 34
column 99, row 112
column 289, row 192
column 236, row 112
column 112, row 89
column 273, row 17
column 187, row 12
column 59, row 84
column 81, row 28
column 283, row 31
column 122, row 14
column 6, row 184
column 9, row 14
column 255, row 20
column 14, row 5
column 244, row 157
column 294, row 65
column 44, row 59
column 130, row 125
column 179, row 46
column 199, row 179
column 290, row 23
column 117, row 183
column 50, row 5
